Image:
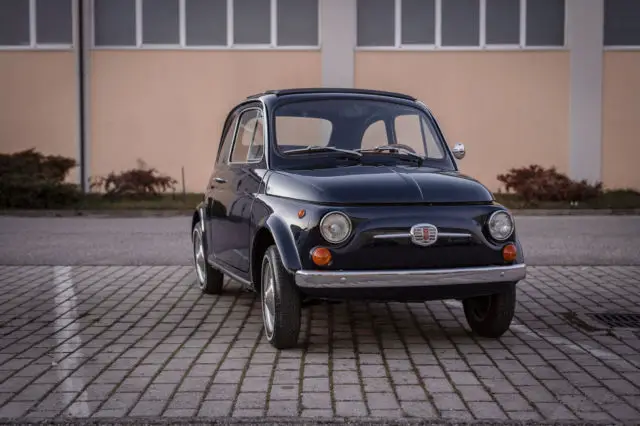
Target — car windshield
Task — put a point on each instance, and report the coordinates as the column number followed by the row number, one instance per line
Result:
column 351, row 126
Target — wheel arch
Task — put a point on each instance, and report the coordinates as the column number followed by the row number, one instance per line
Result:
column 273, row 231
column 197, row 215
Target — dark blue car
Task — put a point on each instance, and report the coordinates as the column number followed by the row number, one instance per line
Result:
column 350, row 193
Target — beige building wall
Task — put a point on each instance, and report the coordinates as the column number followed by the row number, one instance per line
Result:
column 39, row 103
column 621, row 121
column 510, row 109
column 167, row 107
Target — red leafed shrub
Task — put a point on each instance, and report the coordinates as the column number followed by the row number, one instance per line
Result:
column 140, row 182
column 535, row 183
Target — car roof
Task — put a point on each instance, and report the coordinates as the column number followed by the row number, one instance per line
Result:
column 329, row 90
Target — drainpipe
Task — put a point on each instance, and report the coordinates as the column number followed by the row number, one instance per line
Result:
column 82, row 59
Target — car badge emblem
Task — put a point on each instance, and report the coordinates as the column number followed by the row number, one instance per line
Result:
column 424, row 234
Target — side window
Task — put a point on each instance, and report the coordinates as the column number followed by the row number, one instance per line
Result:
column 223, row 150
column 375, row 135
column 249, row 142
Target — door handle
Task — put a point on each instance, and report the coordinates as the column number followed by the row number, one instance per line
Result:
column 220, row 180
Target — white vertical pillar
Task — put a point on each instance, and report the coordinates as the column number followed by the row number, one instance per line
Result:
column 585, row 32
column 338, row 32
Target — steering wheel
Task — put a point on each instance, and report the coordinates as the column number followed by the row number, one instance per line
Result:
column 398, row 145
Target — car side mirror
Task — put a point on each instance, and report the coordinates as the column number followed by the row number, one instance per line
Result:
column 458, row 151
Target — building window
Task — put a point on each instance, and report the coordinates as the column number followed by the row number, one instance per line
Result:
column 622, row 23
column 460, row 22
column 545, row 22
column 43, row 24
column 503, row 22
column 376, row 23
column 115, row 22
column 298, row 23
column 206, row 23
column 466, row 24
column 251, row 23
column 161, row 22
column 418, row 24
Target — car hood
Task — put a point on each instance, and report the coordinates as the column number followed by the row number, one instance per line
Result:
column 365, row 184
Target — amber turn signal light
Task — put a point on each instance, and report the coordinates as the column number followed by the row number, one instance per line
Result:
column 509, row 252
column 321, row 256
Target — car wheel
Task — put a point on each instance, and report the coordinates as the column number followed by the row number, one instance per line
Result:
column 281, row 302
column 490, row 316
column 210, row 280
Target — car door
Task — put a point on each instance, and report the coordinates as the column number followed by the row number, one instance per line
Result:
column 233, row 191
column 214, row 208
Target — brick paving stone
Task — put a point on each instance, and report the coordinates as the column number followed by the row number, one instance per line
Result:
column 152, row 345
column 215, row 409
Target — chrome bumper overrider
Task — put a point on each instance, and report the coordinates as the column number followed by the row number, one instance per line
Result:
column 409, row 278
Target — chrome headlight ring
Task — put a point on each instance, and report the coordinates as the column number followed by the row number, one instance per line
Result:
column 335, row 227
column 501, row 225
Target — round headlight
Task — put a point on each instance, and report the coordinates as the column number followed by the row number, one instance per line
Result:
column 500, row 225
column 335, row 227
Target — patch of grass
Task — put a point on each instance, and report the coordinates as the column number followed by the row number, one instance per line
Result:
column 620, row 199
column 159, row 202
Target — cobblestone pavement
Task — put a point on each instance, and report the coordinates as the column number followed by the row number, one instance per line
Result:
column 143, row 341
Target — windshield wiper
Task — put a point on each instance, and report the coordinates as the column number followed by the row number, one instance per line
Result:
column 395, row 150
column 318, row 148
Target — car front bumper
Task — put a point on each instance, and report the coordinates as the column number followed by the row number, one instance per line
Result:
column 308, row 279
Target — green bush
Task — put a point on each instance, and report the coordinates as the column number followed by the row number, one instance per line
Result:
column 29, row 179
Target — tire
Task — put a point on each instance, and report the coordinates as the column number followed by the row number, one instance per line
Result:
column 280, row 301
column 210, row 280
column 490, row 316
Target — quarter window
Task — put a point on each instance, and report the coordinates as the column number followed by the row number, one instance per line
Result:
column 249, row 141
column 223, row 151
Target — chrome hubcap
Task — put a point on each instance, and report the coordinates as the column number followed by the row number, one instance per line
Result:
column 268, row 300
column 198, row 251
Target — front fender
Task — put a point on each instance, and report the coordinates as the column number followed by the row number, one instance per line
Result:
column 285, row 242
column 520, row 255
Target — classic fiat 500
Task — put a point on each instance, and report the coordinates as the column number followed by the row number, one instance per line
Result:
column 351, row 193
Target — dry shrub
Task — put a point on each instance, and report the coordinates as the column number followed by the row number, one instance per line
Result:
column 140, row 182
column 535, row 183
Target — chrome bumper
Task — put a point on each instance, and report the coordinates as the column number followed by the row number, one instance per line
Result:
column 409, row 278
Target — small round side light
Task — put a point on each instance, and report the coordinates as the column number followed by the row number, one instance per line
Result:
column 321, row 256
column 509, row 252
column 302, row 213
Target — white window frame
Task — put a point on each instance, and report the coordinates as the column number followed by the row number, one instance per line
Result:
column 33, row 39
column 182, row 31
column 482, row 45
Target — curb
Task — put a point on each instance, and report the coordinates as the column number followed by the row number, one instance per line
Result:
column 131, row 213
column 97, row 213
